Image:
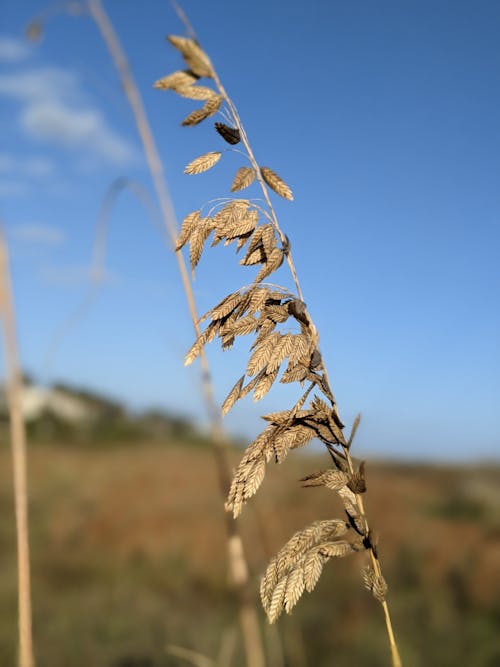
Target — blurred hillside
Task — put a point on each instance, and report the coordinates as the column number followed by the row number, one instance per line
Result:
column 70, row 414
column 129, row 557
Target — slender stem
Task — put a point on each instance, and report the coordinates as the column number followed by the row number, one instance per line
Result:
column 18, row 445
column 239, row 574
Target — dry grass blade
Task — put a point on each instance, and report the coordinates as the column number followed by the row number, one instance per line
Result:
column 276, row 183
column 245, row 176
column 176, row 80
column 203, row 163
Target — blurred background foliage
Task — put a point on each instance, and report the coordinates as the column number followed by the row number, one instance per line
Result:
column 129, row 553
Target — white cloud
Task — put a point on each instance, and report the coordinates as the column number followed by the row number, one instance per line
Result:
column 13, row 50
column 38, row 234
column 58, row 124
column 54, row 111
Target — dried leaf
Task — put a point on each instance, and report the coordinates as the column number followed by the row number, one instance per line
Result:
column 203, row 163
column 276, row 183
column 245, row 176
column 229, row 134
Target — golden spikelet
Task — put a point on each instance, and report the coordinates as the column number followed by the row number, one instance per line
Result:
column 178, row 79
column 196, row 59
column 187, row 227
column 276, row 183
column 233, row 396
column 245, row 176
column 195, row 92
column 203, row 163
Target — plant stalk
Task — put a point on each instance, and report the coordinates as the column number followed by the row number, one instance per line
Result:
column 18, row 445
column 237, row 561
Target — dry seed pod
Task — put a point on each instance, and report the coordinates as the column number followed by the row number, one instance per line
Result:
column 376, row 584
column 213, row 105
column 195, row 92
column 195, row 57
column 176, row 80
column 195, row 117
column 276, row 183
column 203, row 163
column 229, row 134
column 245, row 176
column 187, row 228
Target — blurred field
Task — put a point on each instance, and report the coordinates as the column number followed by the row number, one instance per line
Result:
column 129, row 556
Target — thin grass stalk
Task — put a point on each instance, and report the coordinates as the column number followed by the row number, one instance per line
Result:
column 18, row 446
column 237, row 561
column 280, row 590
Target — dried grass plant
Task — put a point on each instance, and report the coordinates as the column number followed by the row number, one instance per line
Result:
column 19, row 462
column 285, row 349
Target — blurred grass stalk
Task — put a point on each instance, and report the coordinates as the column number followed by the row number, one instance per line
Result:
column 14, row 385
column 254, row 651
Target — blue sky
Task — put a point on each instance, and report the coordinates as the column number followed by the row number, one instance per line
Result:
column 382, row 117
